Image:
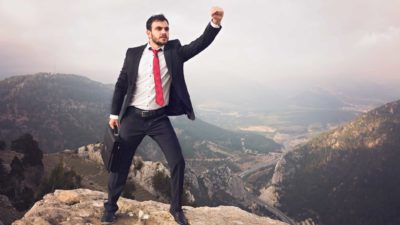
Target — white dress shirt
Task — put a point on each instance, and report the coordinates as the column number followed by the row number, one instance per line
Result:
column 144, row 96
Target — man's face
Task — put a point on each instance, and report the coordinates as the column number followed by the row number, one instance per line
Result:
column 159, row 33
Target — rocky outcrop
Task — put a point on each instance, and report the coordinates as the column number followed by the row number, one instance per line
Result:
column 141, row 172
column 91, row 152
column 84, row 206
column 222, row 186
column 285, row 168
column 212, row 187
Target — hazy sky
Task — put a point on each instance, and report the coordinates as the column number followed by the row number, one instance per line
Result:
column 262, row 42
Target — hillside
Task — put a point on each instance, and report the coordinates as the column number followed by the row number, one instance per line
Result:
column 61, row 111
column 64, row 111
column 347, row 176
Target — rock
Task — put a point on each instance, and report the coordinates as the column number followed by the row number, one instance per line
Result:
column 7, row 211
column 67, row 197
column 269, row 195
column 91, row 152
column 56, row 208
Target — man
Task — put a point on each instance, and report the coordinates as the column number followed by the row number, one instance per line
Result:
column 151, row 87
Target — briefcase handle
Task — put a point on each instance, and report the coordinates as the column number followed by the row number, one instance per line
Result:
column 115, row 131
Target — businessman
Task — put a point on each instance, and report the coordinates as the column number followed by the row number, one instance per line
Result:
column 150, row 87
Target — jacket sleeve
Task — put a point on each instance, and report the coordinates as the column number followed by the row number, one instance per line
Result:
column 120, row 88
column 195, row 47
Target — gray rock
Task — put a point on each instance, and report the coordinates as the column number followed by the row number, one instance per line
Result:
column 84, row 206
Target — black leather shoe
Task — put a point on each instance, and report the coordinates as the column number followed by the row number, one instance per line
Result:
column 108, row 217
column 179, row 217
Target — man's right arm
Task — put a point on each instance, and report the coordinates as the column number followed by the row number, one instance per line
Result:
column 119, row 93
column 195, row 47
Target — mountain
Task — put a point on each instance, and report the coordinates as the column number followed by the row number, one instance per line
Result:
column 59, row 110
column 64, row 111
column 202, row 134
column 346, row 176
column 317, row 98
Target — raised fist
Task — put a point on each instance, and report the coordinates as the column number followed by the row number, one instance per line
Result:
column 216, row 14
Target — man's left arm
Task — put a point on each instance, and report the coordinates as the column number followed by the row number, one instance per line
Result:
column 195, row 47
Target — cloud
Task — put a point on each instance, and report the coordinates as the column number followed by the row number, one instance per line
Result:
column 270, row 42
column 376, row 38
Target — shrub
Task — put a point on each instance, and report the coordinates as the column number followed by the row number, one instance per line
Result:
column 162, row 184
column 138, row 162
column 129, row 189
column 60, row 178
column 30, row 148
column 2, row 145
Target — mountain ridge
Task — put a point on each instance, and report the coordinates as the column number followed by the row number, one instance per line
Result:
column 344, row 176
column 64, row 111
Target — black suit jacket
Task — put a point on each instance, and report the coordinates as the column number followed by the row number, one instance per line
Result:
column 175, row 56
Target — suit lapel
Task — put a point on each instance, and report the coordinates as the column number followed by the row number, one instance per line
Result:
column 136, row 56
column 168, row 58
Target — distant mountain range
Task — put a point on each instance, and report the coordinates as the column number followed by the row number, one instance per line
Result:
column 347, row 176
column 60, row 111
column 65, row 111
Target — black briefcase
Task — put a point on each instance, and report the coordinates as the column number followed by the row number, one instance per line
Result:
column 110, row 148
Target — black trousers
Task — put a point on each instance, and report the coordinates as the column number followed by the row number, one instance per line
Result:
column 133, row 129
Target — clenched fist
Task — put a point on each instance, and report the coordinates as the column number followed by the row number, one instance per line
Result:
column 216, row 14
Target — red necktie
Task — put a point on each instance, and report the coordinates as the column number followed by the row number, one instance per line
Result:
column 157, row 78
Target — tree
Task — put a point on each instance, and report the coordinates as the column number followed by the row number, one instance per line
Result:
column 17, row 169
column 3, row 175
column 30, row 148
column 60, row 178
column 24, row 199
column 162, row 184
column 3, row 145
column 129, row 189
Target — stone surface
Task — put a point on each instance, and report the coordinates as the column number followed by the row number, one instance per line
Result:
column 7, row 211
column 84, row 206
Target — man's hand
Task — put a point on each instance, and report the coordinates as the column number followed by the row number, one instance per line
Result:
column 217, row 13
column 113, row 123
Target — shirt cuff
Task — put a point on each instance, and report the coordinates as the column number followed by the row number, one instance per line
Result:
column 113, row 116
column 214, row 25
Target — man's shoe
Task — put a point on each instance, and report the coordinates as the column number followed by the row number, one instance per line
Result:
column 179, row 217
column 108, row 217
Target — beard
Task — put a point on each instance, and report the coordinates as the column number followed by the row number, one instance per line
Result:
column 158, row 41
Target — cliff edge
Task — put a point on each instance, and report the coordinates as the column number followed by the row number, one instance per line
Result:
column 84, row 206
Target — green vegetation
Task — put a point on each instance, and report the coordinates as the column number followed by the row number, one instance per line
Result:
column 138, row 162
column 350, row 175
column 17, row 184
column 60, row 178
column 199, row 131
column 30, row 148
column 162, row 183
column 17, row 169
column 3, row 175
column 64, row 111
column 129, row 190
column 3, row 145
column 357, row 187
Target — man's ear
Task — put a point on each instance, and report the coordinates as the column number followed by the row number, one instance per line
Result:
column 148, row 33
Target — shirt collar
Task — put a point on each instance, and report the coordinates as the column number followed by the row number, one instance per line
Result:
column 149, row 47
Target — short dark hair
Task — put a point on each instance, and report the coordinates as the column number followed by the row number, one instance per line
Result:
column 158, row 17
